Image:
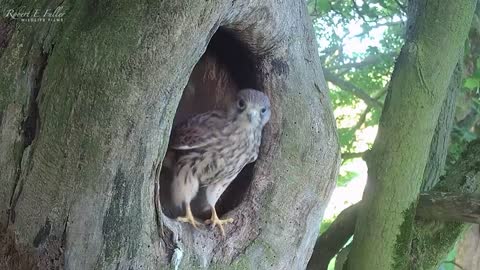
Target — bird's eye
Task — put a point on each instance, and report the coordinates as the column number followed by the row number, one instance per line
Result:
column 263, row 110
column 241, row 104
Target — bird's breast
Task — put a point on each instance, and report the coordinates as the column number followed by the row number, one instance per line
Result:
column 233, row 149
column 230, row 156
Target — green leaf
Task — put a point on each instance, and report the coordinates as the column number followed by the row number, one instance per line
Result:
column 323, row 5
column 476, row 74
column 347, row 138
column 345, row 177
column 471, row 83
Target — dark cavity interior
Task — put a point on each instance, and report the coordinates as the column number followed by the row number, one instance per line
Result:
column 226, row 67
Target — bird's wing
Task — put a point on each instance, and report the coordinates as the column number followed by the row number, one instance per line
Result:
column 198, row 131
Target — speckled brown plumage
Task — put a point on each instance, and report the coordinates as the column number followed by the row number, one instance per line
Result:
column 214, row 147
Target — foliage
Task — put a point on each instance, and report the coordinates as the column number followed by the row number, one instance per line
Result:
column 467, row 116
column 358, row 44
column 345, row 176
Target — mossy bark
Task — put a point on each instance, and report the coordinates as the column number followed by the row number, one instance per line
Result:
column 86, row 108
column 432, row 240
column 400, row 152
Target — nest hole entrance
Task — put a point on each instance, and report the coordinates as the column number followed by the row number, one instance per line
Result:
column 226, row 67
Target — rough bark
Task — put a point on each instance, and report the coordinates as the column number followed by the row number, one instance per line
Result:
column 86, row 109
column 400, row 152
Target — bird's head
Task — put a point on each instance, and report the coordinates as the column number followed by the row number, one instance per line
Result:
column 251, row 107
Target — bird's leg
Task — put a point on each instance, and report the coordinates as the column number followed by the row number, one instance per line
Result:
column 214, row 220
column 188, row 218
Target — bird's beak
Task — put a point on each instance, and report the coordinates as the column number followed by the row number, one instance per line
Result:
column 251, row 115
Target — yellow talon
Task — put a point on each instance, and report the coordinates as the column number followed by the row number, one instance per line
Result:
column 214, row 220
column 188, row 218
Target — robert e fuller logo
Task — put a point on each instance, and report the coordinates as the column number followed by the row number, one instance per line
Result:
column 35, row 15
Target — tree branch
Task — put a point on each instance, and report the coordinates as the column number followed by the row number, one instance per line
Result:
column 349, row 87
column 359, row 12
column 377, row 25
column 445, row 206
column 370, row 60
column 347, row 155
column 331, row 241
column 362, row 118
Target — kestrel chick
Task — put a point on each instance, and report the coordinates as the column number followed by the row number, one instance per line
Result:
column 213, row 148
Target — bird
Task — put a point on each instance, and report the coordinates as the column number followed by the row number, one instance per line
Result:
column 213, row 147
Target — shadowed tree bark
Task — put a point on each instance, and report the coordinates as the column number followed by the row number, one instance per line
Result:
column 86, row 109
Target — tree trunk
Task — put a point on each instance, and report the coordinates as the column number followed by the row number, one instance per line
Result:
column 441, row 138
column 440, row 218
column 400, row 152
column 329, row 243
column 427, row 251
column 86, row 108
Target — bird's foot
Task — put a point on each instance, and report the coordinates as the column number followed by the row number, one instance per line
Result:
column 191, row 220
column 188, row 218
column 214, row 221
